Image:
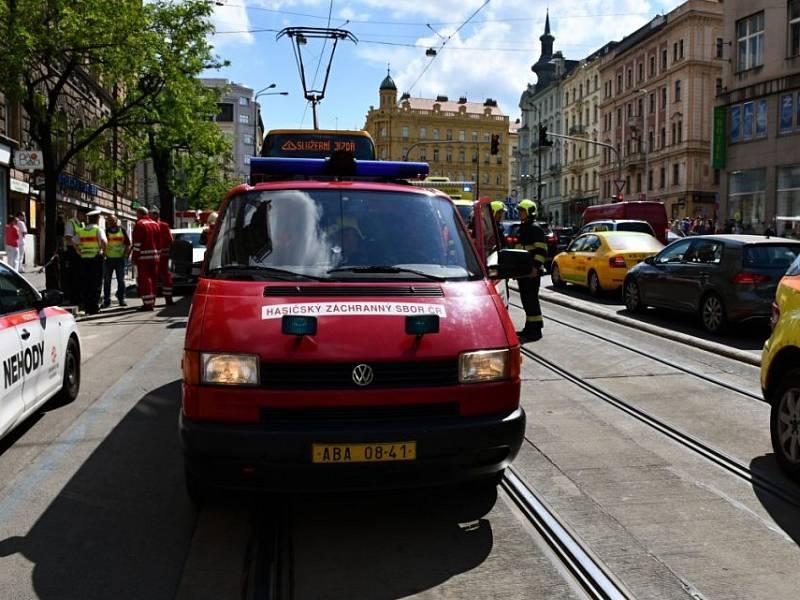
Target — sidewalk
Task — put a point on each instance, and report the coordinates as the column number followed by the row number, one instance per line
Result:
column 37, row 279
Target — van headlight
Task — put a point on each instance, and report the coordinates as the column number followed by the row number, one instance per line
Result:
column 484, row 365
column 229, row 369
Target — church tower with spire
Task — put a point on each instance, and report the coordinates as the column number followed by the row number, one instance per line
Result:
column 545, row 68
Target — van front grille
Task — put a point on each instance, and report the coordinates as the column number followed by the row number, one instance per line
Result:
column 401, row 291
column 339, row 376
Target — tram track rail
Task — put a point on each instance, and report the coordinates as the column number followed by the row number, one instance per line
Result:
column 267, row 567
column 663, row 361
column 591, row 575
column 713, row 455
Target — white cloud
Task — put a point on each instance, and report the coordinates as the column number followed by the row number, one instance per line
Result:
column 231, row 18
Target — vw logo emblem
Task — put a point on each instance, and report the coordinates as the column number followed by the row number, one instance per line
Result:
column 363, row 375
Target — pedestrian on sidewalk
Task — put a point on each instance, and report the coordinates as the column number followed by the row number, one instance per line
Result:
column 12, row 243
column 92, row 243
column 71, row 273
column 164, row 245
column 117, row 251
column 146, row 243
column 23, row 231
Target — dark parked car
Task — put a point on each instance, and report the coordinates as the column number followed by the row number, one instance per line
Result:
column 564, row 235
column 511, row 233
column 722, row 278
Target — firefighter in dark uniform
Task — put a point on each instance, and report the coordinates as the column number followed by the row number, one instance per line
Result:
column 532, row 239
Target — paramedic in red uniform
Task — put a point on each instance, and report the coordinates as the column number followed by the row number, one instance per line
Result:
column 164, row 245
column 146, row 244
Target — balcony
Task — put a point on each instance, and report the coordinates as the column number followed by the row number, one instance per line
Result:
column 635, row 159
column 575, row 194
column 578, row 130
column 577, row 165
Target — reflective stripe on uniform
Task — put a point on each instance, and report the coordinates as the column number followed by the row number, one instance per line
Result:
column 535, row 319
column 89, row 242
column 540, row 245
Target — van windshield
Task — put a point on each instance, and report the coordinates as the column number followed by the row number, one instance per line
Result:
column 325, row 234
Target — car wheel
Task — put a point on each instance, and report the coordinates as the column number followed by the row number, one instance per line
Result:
column 785, row 424
column 555, row 277
column 197, row 490
column 594, row 284
column 71, row 382
column 632, row 296
column 712, row 313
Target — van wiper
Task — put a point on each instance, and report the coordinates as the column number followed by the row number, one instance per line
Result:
column 275, row 272
column 385, row 269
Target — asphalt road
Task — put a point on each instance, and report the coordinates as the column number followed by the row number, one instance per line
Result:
column 92, row 502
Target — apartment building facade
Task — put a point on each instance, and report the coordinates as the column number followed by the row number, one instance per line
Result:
column 757, row 138
column 658, row 94
column 405, row 128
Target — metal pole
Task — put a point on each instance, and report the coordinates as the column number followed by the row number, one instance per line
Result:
column 602, row 144
column 478, row 172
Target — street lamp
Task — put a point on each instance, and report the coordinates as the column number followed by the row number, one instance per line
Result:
column 643, row 92
column 260, row 93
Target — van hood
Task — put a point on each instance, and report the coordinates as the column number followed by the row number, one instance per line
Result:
column 355, row 321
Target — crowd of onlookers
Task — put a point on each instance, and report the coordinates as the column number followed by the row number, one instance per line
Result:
column 701, row 226
column 15, row 232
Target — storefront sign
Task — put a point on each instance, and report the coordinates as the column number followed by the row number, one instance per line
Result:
column 28, row 160
column 22, row 187
column 718, row 146
column 68, row 181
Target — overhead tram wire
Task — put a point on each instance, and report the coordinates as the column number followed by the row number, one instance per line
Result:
column 319, row 62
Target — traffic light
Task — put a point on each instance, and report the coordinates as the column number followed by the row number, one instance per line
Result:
column 543, row 141
column 495, row 148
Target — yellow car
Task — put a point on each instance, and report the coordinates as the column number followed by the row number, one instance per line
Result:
column 600, row 260
column 780, row 372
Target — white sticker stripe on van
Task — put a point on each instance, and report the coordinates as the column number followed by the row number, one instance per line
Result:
column 351, row 309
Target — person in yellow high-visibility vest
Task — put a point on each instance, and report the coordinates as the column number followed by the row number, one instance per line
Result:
column 91, row 240
column 117, row 251
column 532, row 239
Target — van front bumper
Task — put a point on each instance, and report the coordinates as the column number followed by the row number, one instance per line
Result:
column 272, row 458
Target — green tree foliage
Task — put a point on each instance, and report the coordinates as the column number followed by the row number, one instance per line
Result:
column 60, row 56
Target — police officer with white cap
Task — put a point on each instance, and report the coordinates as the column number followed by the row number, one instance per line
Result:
column 91, row 242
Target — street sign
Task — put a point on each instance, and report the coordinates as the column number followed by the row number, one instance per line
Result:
column 135, row 204
column 28, row 160
column 619, row 184
column 39, row 181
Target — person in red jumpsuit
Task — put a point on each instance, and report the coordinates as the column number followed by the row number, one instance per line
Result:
column 146, row 245
column 165, row 243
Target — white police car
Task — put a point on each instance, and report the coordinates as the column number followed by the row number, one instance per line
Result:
column 39, row 350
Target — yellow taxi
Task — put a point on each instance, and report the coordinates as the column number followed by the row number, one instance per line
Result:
column 600, row 260
column 780, row 372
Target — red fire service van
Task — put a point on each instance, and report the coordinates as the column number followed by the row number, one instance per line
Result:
column 347, row 332
column 652, row 212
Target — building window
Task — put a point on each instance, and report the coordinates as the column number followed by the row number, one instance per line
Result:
column 678, row 90
column 664, row 98
column 736, row 124
column 639, row 183
column 662, row 180
column 474, row 136
column 794, row 27
column 663, row 60
column 474, row 156
column 247, row 159
column 244, row 118
column 629, row 78
column 746, row 198
column 651, row 140
column 462, row 136
column 225, row 114
column 747, row 120
column 629, row 110
column 680, row 131
column 761, row 118
column 652, row 69
column 680, row 49
column 423, row 133
column 244, row 101
column 641, row 71
column 435, row 155
column 619, row 83
column 462, row 156
column 675, row 52
column 750, row 42
column 674, row 136
column 720, row 46
column 383, row 132
column 248, row 139
column 787, row 113
column 449, row 155
column 676, row 174
column 448, row 135
column 435, row 133
column 650, row 180
column 383, row 153
column 652, row 103
column 788, row 195
column 423, row 154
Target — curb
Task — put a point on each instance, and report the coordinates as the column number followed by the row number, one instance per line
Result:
column 689, row 340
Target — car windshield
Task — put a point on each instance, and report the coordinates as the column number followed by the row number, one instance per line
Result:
column 634, row 243
column 641, row 227
column 191, row 236
column 341, row 234
column 770, row 256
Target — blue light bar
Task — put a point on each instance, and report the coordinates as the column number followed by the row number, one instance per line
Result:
column 320, row 167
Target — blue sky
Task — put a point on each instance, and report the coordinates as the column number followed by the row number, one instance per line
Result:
column 491, row 56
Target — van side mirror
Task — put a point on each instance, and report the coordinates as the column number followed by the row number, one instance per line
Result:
column 511, row 264
column 50, row 298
